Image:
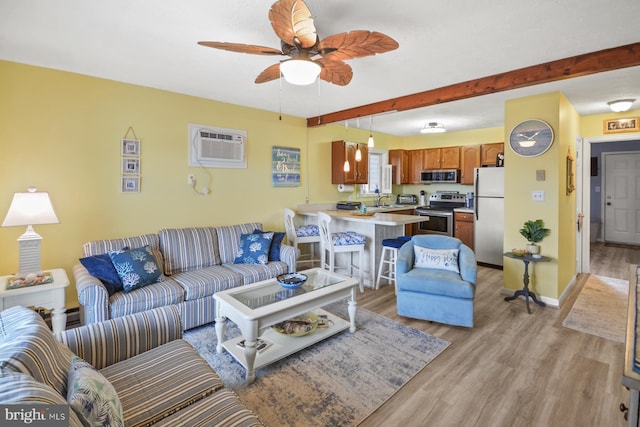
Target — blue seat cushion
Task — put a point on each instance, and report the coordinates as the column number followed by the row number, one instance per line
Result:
column 438, row 282
column 307, row 230
column 346, row 238
column 393, row 243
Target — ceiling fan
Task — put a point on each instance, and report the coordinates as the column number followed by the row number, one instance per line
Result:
column 310, row 57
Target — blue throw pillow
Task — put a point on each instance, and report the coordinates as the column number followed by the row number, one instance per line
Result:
column 100, row 266
column 276, row 242
column 136, row 267
column 254, row 248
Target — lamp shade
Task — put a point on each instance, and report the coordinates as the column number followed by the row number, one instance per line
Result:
column 300, row 71
column 30, row 209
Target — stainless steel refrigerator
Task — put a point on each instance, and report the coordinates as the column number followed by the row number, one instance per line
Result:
column 489, row 215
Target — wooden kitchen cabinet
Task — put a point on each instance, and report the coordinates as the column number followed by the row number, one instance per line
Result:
column 399, row 160
column 463, row 227
column 469, row 159
column 408, row 228
column 441, row 158
column 489, row 153
column 415, row 166
column 358, row 171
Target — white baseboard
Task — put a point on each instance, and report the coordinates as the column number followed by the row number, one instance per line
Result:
column 551, row 302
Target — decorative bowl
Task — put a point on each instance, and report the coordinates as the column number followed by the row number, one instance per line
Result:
column 298, row 326
column 291, row 280
column 519, row 252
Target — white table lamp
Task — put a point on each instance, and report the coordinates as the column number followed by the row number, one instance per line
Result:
column 29, row 209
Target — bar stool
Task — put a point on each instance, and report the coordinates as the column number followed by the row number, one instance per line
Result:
column 340, row 242
column 390, row 249
column 303, row 234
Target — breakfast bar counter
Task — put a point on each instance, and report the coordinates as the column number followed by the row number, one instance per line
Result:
column 376, row 228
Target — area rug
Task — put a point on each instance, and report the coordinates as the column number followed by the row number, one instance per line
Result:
column 336, row 382
column 601, row 308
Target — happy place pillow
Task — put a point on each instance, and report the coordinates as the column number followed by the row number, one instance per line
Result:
column 441, row 259
column 254, row 248
column 136, row 267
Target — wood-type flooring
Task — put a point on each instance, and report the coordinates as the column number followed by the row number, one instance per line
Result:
column 513, row 368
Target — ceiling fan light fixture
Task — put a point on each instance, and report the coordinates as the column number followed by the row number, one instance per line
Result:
column 300, row 71
column 620, row 105
column 433, row 127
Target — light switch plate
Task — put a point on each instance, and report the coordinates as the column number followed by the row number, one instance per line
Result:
column 540, row 175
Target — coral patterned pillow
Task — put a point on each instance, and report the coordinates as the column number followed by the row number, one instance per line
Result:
column 136, row 267
column 254, row 248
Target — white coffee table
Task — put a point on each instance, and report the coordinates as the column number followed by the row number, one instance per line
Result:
column 255, row 308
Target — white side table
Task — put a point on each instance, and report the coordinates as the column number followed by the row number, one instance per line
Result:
column 51, row 296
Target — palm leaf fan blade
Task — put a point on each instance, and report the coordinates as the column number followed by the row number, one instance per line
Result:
column 268, row 74
column 336, row 72
column 242, row 48
column 292, row 22
column 356, row 44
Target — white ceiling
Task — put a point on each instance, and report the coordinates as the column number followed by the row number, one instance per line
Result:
column 153, row 43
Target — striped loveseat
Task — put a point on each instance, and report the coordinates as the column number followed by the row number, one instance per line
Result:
column 196, row 262
column 136, row 371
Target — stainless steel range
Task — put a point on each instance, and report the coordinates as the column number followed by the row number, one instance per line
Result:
column 439, row 213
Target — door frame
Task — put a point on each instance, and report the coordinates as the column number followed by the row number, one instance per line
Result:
column 583, row 250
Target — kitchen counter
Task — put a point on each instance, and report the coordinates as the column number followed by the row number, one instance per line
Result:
column 464, row 210
column 376, row 228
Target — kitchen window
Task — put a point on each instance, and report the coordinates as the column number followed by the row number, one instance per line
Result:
column 377, row 175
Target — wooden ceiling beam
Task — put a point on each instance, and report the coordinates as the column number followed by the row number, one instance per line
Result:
column 567, row 68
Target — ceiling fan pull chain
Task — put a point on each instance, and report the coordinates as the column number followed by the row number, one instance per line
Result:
column 280, row 97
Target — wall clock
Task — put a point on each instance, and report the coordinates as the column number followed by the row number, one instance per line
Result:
column 531, row 138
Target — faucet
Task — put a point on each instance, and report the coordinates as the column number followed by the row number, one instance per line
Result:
column 380, row 197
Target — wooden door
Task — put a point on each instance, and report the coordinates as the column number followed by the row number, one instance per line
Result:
column 450, row 158
column 463, row 227
column 415, row 166
column 399, row 160
column 469, row 159
column 621, row 201
column 431, row 159
column 361, row 166
column 489, row 153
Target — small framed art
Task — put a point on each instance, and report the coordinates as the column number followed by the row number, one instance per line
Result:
column 130, row 166
column 621, row 125
column 130, row 147
column 130, row 184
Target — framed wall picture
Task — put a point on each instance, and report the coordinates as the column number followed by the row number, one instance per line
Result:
column 285, row 167
column 630, row 124
column 130, row 184
column 130, row 166
column 130, row 147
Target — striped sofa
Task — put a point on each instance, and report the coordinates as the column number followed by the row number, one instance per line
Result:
column 197, row 262
column 158, row 378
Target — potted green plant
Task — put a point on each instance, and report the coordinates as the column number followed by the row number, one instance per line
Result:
column 534, row 232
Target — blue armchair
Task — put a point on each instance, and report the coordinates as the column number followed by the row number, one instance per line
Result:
column 434, row 290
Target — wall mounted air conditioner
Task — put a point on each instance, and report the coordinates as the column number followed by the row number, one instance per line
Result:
column 214, row 147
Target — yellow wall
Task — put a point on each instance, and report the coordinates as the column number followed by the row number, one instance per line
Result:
column 61, row 132
column 557, row 211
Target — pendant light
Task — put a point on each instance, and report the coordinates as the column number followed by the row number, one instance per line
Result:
column 358, row 152
column 346, row 166
column 370, row 141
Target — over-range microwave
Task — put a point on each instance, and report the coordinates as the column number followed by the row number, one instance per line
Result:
column 440, row 175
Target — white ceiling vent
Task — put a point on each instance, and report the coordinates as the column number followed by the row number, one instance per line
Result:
column 217, row 147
